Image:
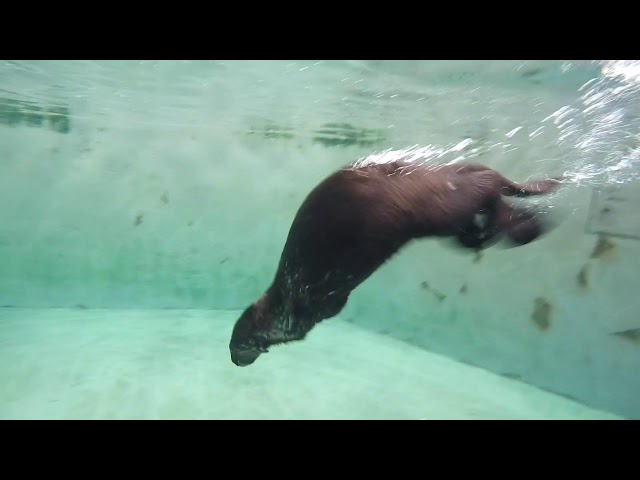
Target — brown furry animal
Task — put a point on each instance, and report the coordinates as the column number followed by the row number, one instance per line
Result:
column 356, row 219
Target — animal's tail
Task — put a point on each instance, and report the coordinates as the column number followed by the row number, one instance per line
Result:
column 523, row 225
column 539, row 187
column 513, row 189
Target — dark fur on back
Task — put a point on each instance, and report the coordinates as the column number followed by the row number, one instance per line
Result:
column 358, row 218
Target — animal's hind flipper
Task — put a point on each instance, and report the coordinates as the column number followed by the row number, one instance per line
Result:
column 526, row 225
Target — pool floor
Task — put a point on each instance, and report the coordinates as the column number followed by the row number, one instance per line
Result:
column 174, row 364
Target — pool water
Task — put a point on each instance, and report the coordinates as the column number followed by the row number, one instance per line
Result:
column 144, row 205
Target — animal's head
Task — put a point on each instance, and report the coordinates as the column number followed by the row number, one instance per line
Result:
column 262, row 325
column 250, row 336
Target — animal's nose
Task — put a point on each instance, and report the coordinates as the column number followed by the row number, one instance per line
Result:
column 242, row 358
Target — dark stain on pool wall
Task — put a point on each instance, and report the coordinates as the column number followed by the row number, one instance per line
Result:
column 346, row 135
column 582, row 278
column 272, row 131
column 632, row 335
column 604, row 248
column 16, row 113
column 541, row 315
column 532, row 72
column 439, row 295
column 329, row 134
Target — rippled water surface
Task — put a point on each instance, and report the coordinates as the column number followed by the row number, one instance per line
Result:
column 581, row 116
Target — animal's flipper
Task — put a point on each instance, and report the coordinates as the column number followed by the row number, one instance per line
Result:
column 523, row 225
column 517, row 225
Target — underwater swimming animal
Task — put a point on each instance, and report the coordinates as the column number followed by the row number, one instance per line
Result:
column 359, row 217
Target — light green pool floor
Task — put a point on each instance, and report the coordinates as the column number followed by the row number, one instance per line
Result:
column 174, row 364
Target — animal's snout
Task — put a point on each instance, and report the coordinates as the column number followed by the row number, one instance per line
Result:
column 244, row 357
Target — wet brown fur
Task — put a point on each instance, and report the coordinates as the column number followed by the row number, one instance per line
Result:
column 357, row 218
